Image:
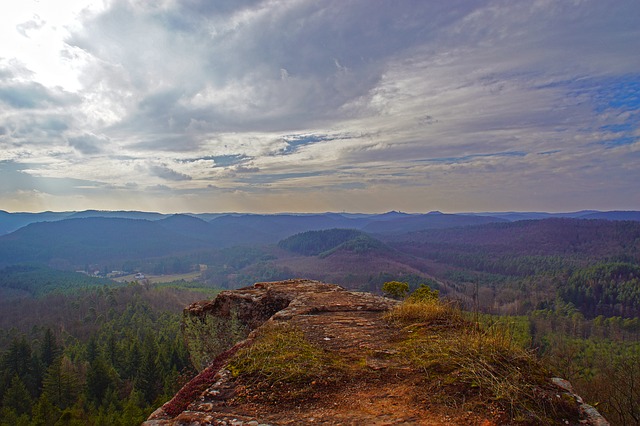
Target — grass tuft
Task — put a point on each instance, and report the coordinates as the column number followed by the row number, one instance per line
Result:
column 282, row 364
column 425, row 312
column 464, row 357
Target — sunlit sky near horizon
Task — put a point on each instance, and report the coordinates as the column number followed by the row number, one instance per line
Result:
column 307, row 106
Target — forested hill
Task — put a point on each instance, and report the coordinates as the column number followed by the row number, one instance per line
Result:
column 499, row 247
column 585, row 238
column 274, row 227
column 592, row 264
column 80, row 241
column 37, row 280
column 312, row 243
column 433, row 220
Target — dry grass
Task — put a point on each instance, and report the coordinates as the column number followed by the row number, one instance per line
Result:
column 283, row 365
column 428, row 312
column 460, row 366
column 458, row 354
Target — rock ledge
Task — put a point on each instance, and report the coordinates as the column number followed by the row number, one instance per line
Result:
column 347, row 324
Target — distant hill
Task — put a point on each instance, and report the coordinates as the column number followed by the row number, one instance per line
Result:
column 587, row 238
column 312, row 243
column 613, row 215
column 583, row 214
column 261, row 229
column 434, row 220
column 36, row 280
column 362, row 244
column 348, row 257
column 75, row 242
column 117, row 214
column 272, row 228
column 515, row 216
column 10, row 222
column 188, row 226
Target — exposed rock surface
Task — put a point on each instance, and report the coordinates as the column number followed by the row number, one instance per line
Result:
column 345, row 324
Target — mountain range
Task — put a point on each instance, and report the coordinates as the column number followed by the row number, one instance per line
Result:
column 74, row 239
column 281, row 224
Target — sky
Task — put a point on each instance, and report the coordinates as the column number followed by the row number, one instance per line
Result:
column 310, row 106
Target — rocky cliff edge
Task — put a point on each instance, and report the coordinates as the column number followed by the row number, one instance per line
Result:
column 306, row 352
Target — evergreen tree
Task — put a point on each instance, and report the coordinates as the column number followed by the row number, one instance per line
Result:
column 133, row 361
column 99, row 379
column 148, row 375
column 132, row 413
column 9, row 417
column 17, row 397
column 44, row 412
column 17, row 360
column 92, row 349
column 49, row 350
column 61, row 383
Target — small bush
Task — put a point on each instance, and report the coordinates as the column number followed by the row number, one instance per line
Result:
column 424, row 293
column 395, row 289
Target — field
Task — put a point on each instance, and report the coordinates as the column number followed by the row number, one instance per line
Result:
column 162, row 279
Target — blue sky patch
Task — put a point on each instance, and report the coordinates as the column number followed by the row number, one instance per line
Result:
column 617, row 128
column 295, row 142
column 626, row 140
column 621, row 93
column 466, row 158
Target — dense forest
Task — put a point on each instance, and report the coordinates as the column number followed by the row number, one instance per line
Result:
column 97, row 356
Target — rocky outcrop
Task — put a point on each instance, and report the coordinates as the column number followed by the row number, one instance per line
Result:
column 348, row 329
column 589, row 414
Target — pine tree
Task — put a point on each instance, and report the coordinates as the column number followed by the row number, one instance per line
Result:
column 132, row 413
column 92, row 349
column 99, row 379
column 61, row 383
column 17, row 359
column 49, row 350
column 44, row 412
column 133, row 361
column 17, row 397
column 148, row 376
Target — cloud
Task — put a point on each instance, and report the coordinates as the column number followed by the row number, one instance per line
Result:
column 245, row 169
column 35, row 24
column 373, row 100
column 88, row 143
column 32, row 95
column 164, row 172
column 18, row 178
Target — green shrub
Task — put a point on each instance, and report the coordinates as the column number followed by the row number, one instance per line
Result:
column 395, row 289
column 424, row 293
